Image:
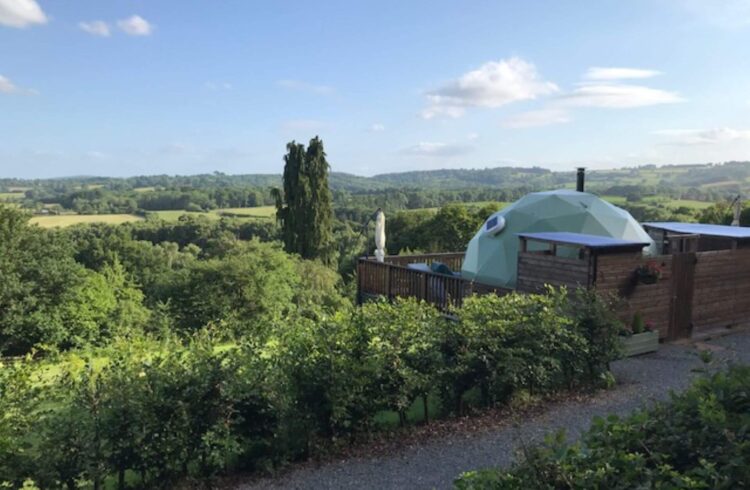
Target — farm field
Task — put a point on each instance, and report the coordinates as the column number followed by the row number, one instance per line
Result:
column 263, row 212
column 52, row 221
column 670, row 203
column 11, row 195
column 471, row 205
column 55, row 221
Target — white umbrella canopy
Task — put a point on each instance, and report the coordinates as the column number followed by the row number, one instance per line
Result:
column 380, row 235
column 492, row 258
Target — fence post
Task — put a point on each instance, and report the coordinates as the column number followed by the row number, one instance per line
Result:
column 424, row 286
column 388, row 282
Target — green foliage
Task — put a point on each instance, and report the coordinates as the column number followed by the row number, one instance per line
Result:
column 166, row 410
column 447, row 230
column 638, row 325
column 501, row 345
column 47, row 298
column 305, row 206
column 696, row 440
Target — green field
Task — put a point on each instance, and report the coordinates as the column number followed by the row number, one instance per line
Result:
column 55, row 221
column 11, row 195
column 52, row 221
column 256, row 212
column 472, row 205
column 670, row 203
column 263, row 212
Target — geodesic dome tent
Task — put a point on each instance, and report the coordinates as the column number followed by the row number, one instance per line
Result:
column 492, row 254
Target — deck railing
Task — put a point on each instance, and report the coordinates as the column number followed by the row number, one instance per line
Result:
column 392, row 279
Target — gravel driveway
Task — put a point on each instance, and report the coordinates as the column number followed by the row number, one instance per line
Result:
column 435, row 464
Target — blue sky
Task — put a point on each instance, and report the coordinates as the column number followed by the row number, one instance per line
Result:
column 154, row 86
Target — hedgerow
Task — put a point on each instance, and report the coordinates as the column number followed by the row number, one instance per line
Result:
column 699, row 439
column 145, row 413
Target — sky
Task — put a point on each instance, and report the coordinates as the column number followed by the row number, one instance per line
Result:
column 135, row 87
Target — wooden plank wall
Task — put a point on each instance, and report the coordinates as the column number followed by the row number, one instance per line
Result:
column 454, row 260
column 536, row 270
column 391, row 281
column 722, row 289
column 616, row 274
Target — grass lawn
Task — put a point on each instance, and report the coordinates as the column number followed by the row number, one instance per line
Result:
column 11, row 195
column 144, row 189
column 256, row 212
column 63, row 220
column 260, row 212
column 175, row 215
column 263, row 212
column 471, row 205
column 676, row 203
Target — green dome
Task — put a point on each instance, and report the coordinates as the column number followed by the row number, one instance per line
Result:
column 492, row 259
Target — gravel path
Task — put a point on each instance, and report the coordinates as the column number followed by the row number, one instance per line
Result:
column 641, row 380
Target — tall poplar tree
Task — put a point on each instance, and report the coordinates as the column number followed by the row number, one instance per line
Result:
column 304, row 208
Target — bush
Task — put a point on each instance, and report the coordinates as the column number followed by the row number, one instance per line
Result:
column 699, row 439
column 163, row 411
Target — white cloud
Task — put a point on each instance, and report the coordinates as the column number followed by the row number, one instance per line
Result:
column 377, row 128
column 542, row 117
column 712, row 136
column 305, row 87
column 426, row 149
column 614, row 73
column 492, row 85
column 8, row 87
column 21, row 13
column 96, row 155
column 618, row 96
column 135, row 26
column 218, row 86
column 95, row 28
column 472, row 136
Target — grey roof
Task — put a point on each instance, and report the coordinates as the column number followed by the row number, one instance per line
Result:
column 737, row 232
column 584, row 240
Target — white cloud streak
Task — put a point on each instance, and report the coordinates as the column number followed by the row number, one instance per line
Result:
column 542, row 117
column 218, row 86
column 95, row 28
column 301, row 86
column 21, row 13
column 441, row 150
column 135, row 25
column 377, row 128
column 492, row 85
column 8, row 87
column 711, row 136
column 617, row 96
column 614, row 73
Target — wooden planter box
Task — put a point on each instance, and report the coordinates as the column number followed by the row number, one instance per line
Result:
column 640, row 343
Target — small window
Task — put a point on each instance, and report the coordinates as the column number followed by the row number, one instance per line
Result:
column 494, row 225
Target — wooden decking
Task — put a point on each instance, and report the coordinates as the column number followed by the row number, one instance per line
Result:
column 391, row 279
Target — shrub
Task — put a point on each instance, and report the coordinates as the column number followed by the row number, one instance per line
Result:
column 696, row 440
column 169, row 410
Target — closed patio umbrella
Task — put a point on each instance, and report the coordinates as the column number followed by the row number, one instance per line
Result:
column 380, row 235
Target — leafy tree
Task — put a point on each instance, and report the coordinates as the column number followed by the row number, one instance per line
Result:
column 305, row 207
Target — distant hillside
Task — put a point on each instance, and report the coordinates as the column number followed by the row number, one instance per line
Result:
column 725, row 178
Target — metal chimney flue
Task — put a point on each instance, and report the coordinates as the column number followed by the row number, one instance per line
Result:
column 580, row 178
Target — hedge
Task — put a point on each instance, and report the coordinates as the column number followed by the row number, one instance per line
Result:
column 138, row 413
column 699, row 439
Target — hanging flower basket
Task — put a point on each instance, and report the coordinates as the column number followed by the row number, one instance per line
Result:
column 648, row 273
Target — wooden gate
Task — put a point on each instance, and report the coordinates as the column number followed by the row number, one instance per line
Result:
column 681, row 305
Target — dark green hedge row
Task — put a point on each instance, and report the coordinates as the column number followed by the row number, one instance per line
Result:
column 149, row 414
column 699, row 439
